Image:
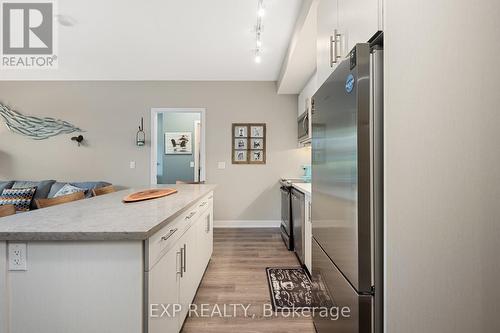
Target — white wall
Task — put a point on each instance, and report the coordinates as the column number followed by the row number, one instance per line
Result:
column 110, row 113
column 442, row 125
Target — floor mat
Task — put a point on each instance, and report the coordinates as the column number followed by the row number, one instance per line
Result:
column 290, row 288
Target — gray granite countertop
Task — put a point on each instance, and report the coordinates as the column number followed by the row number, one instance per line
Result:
column 102, row 218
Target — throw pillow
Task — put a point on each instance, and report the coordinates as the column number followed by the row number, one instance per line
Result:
column 19, row 197
column 68, row 189
column 42, row 189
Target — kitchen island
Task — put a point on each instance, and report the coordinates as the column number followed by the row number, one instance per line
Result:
column 100, row 265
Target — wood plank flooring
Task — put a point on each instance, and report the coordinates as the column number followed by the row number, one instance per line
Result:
column 235, row 275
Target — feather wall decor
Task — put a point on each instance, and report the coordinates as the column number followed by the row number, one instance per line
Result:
column 34, row 127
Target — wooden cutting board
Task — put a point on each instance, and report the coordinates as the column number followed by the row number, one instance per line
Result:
column 149, row 194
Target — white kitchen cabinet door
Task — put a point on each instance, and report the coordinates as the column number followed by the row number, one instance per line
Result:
column 191, row 262
column 327, row 24
column 163, row 286
column 186, row 285
column 358, row 21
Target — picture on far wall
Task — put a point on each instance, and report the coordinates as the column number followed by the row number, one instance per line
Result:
column 257, row 131
column 257, row 156
column 257, row 144
column 241, row 131
column 249, row 143
column 240, row 156
column 178, row 143
column 241, row 144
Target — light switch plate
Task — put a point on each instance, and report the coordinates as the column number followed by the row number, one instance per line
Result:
column 17, row 257
column 191, row 164
column 221, row 165
column 132, row 164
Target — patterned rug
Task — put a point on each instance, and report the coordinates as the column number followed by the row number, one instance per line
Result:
column 290, row 288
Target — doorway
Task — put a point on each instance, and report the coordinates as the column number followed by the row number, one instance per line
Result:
column 177, row 145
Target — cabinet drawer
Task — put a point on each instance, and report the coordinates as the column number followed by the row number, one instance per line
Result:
column 163, row 240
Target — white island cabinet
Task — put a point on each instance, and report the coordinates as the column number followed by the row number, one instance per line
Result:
column 100, row 265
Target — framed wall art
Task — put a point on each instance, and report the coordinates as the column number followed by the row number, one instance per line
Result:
column 249, row 143
column 178, row 143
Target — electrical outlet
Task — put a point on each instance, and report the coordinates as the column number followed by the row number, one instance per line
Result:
column 17, row 257
column 191, row 164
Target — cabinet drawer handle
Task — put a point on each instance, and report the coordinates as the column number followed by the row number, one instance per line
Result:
column 184, row 258
column 210, row 197
column 334, row 47
column 203, row 204
column 183, row 254
column 170, row 233
column 190, row 215
column 178, row 263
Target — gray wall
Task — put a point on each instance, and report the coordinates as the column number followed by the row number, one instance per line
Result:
column 110, row 113
column 175, row 167
column 442, row 165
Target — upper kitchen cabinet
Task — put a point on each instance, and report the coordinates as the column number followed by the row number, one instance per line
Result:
column 340, row 25
column 358, row 21
column 327, row 25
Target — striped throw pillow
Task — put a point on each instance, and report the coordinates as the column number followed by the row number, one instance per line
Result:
column 19, row 197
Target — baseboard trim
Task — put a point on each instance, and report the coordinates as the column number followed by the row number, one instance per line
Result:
column 246, row 224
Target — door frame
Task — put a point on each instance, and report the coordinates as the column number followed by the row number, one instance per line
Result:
column 154, row 139
column 197, row 143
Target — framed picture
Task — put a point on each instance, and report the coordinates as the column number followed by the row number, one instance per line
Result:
column 257, row 156
column 241, row 144
column 178, row 143
column 249, row 143
column 256, row 143
column 240, row 131
column 257, row 131
column 240, row 156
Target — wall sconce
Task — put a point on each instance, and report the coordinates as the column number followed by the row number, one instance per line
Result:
column 140, row 137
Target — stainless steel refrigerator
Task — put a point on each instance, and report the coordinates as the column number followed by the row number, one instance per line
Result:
column 347, row 193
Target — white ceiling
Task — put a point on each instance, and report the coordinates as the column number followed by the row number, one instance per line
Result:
column 300, row 62
column 167, row 40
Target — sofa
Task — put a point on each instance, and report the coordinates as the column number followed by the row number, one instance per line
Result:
column 48, row 188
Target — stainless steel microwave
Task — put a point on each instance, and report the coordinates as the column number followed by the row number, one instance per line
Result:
column 304, row 125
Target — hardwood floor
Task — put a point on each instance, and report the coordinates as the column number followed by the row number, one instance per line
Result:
column 236, row 275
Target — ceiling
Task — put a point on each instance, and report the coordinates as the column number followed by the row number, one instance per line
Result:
column 300, row 63
column 167, row 40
